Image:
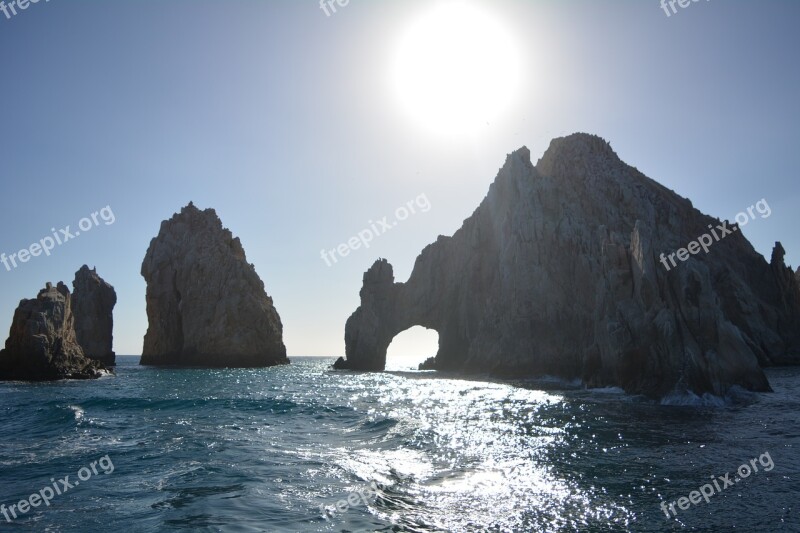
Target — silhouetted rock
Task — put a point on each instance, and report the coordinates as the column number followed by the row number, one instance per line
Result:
column 428, row 364
column 93, row 302
column 206, row 305
column 559, row 272
column 42, row 344
column 786, row 300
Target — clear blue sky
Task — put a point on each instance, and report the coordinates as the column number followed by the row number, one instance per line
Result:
column 282, row 119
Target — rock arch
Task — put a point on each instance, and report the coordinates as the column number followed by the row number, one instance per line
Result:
column 388, row 309
column 411, row 347
column 560, row 271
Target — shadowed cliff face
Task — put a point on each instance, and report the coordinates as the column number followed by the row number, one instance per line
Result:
column 93, row 302
column 206, row 305
column 42, row 345
column 558, row 272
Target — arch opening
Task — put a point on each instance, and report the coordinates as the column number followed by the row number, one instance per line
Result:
column 411, row 347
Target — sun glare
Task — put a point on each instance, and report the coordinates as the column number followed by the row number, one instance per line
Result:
column 456, row 69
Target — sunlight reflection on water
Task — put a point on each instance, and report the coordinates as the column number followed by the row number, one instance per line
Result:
column 474, row 453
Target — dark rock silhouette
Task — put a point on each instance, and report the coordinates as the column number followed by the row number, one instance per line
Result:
column 42, row 344
column 558, row 272
column 93, row 302
column 206, row 305
column 428, row 364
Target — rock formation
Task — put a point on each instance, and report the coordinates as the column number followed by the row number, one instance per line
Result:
column 206, row 305
column 93, row 302
column 42, row 343
column 559, row 272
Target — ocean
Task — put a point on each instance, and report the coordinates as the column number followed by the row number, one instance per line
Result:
column 303, row 448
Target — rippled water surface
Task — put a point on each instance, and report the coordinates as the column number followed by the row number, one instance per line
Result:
column 274, row 449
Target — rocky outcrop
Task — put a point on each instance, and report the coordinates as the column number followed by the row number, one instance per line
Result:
column 428, row 364
column 42, row 343
column 206, row 305
column 93, row 302
column 560, row 272
column 786, row 300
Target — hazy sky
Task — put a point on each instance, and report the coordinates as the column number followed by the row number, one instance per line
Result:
column 297, row 128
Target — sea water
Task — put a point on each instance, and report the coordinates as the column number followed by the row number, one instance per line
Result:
column 303, row 448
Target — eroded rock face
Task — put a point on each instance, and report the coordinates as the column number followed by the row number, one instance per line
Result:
column 559, row 272
column 93, row 302
column 42, row 343
column 206, row 305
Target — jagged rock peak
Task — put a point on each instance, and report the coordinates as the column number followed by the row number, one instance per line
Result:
column 93, row 301
column 778, row 253
column 787, row 279
column 522, row 155
column 576, row 149
column 206, row 305
column 380, row 273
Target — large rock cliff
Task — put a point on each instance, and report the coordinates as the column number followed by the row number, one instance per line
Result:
column 206, row 305
column 93, row 302
column 42, row 344
column 560, row 272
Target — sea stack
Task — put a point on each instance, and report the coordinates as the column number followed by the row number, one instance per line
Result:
column 559, row 272
column 206, row 306
column 93, row 302
column 42, row 344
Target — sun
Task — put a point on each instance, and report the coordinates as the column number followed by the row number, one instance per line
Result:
column 456, row 69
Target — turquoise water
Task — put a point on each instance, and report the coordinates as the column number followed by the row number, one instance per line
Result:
column 262, row 450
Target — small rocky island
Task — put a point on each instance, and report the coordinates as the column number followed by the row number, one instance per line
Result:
column 558, row 273
column 206, row 305
column 44, row 343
